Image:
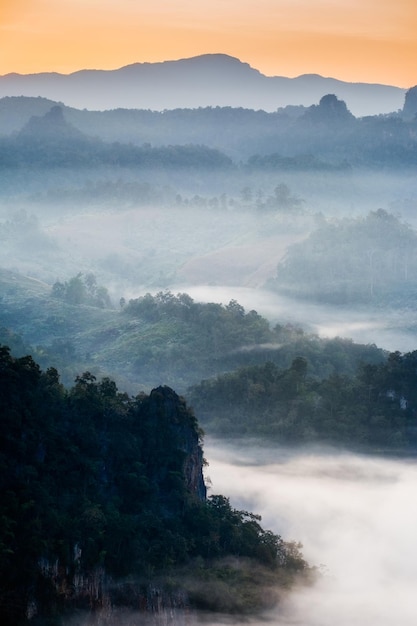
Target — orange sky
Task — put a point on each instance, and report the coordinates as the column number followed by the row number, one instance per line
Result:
column 355, row 40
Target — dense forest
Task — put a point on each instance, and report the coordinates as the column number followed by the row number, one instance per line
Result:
column 99, row 487
column 367, row 260
column 325, row 135
column 375, row 410
column 257, row 380
column 50, row 141
column 154, row 339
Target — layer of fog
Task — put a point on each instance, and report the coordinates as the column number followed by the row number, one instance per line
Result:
column 356, row 517
column 59, row 228
column 212, row 254
column 387, row 330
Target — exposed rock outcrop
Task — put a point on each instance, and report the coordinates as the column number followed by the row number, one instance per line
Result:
column 171, row 408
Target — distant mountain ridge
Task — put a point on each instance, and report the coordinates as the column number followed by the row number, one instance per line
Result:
column 321, row 136
column 201, row 81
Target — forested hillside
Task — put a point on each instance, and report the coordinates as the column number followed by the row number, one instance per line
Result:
column 50, row 141
column 326, row 131
column 367, row 260
column 103, row 497
column 374, row 410
column 154, row 339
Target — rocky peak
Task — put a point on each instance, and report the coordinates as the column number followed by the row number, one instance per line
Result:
column 172, row 411
column 330, row 110
column 52, row 125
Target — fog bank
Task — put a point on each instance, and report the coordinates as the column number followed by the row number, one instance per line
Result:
column 356, row 517
column 388, row 330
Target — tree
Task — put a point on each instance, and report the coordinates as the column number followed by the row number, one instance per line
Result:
column 284, row 200
column 76, row 291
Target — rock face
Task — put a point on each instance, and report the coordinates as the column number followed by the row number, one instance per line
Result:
column 98, row 599
column 410, row 104
column 170, row 408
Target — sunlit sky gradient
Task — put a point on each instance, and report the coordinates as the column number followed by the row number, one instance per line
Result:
column 354, row 40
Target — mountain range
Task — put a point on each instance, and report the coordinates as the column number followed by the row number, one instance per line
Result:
column 201, row 81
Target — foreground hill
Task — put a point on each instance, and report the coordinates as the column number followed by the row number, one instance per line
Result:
column 206, row 80
column 104, row 505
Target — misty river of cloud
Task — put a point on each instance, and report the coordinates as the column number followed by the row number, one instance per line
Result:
column 362, row 326
column 356, row 517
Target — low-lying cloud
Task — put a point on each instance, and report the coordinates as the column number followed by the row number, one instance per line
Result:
column 391, row 331
column 356, row 517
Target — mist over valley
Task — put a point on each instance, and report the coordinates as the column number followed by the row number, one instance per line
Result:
column 261, row 264
column 353, row 515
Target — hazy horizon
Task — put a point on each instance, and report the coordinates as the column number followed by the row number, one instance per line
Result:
column 279, row 38
column 206, row 80
column 213, row 54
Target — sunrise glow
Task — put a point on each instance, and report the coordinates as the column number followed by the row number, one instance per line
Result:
column 367, row 41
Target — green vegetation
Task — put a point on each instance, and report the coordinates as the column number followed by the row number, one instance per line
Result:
column 327, row 133
column 82, row 290
column 374, row 410
column 159, row 338
column 353, row 261
column 182, row 335
column 102, row 497
column 99, row 486
column 49, row 141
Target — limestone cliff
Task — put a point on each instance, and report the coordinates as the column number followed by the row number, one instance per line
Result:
column 167, row 406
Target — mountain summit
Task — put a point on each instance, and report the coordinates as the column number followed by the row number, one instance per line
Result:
column 51, row 126
column 206, row 80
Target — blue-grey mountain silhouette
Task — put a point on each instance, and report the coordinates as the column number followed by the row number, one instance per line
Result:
column 206, row 80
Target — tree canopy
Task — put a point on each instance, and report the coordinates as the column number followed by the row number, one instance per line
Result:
column 373, row 410
column 362, row 260
column 95, row 481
